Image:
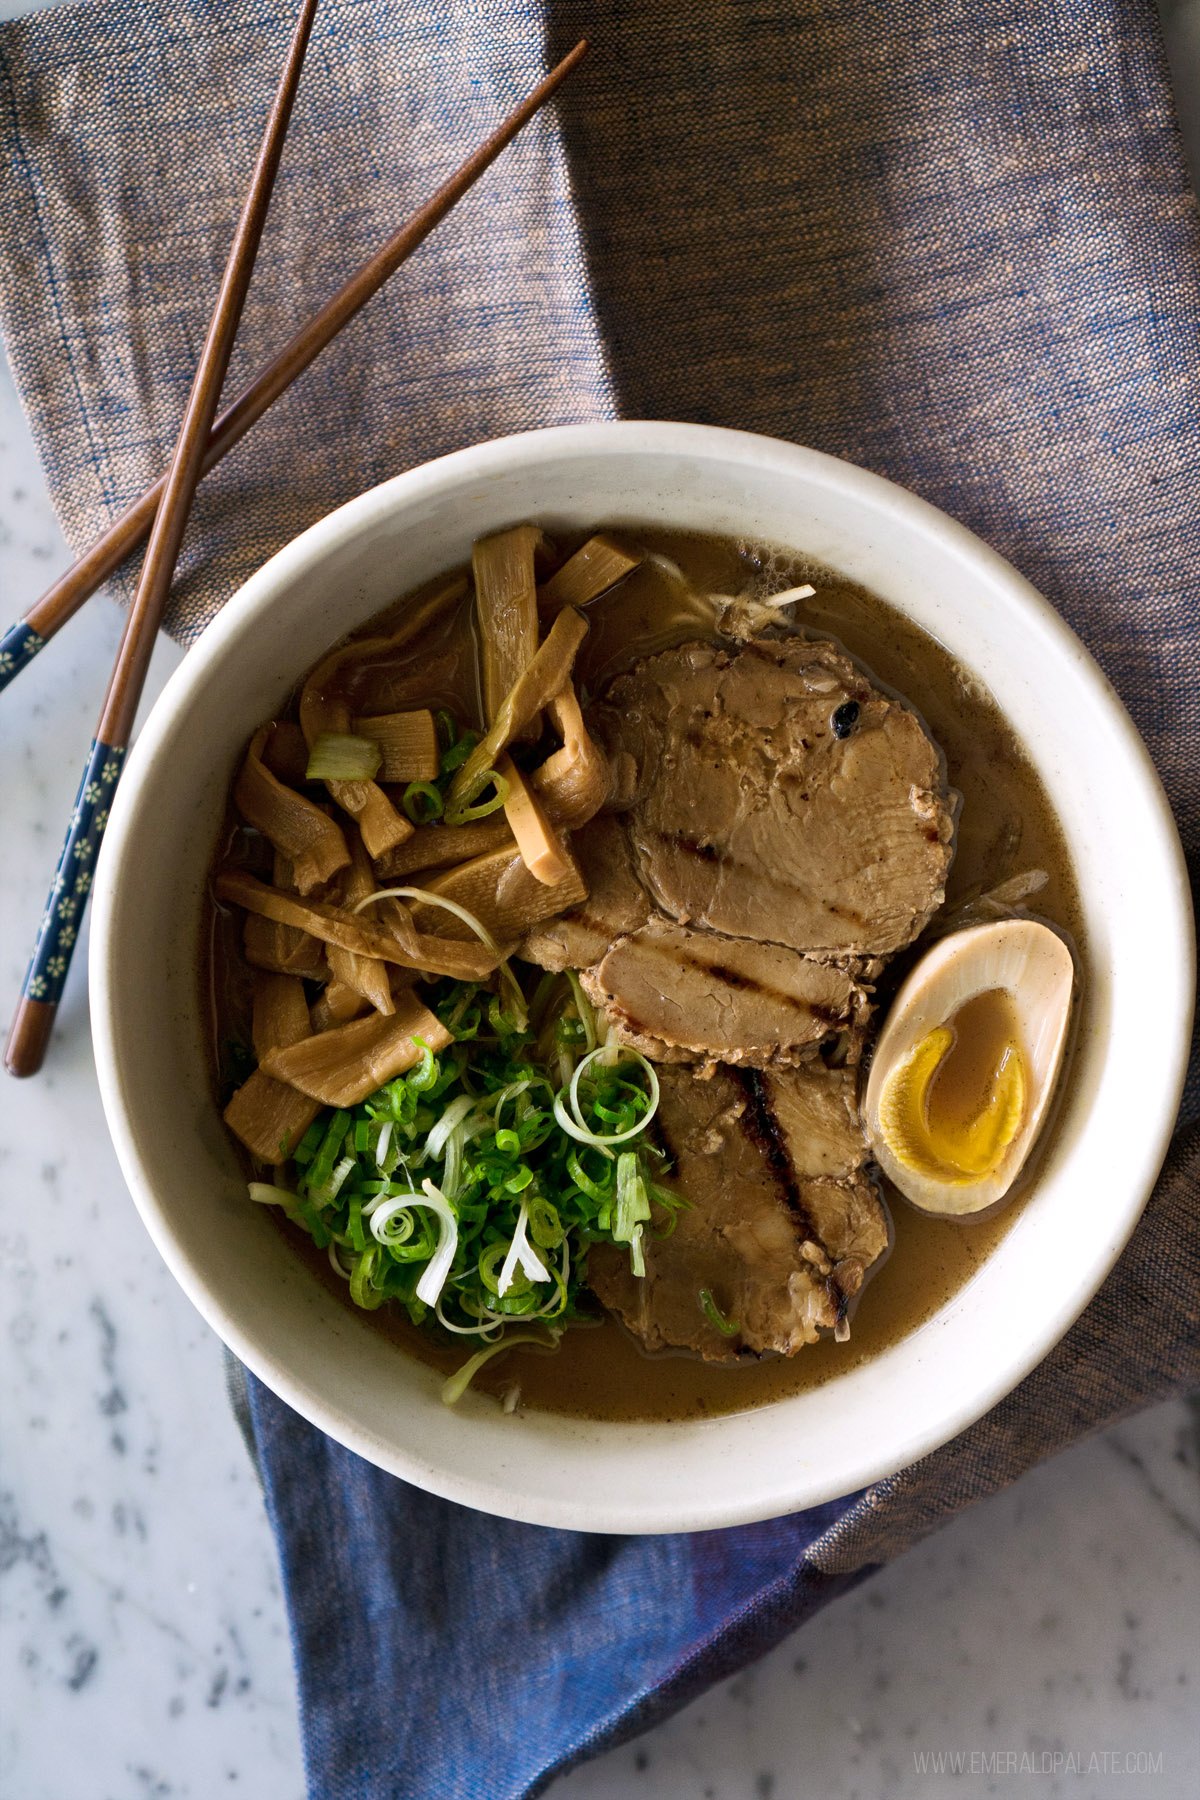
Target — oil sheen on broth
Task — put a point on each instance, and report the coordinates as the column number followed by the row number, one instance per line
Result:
column 1006, row 825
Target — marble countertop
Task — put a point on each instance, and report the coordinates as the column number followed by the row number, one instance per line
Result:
column 143, row 1643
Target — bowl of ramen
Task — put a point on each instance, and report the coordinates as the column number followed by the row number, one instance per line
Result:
column 618, row 977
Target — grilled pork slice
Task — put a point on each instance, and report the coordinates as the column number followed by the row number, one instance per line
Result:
column 815, row 1116
column 781, row 1226
column 780, row 797
column 723, row 999
column 685, row 996
column 616, row 902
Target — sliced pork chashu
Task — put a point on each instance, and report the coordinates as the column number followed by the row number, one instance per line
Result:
column 679, row 995
column 816, row 1119
column 780, row 797
column 666, row 989
column 616, row 902
column 780, row 1229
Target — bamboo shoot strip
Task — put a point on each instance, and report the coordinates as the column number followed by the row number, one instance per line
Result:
column 268, row 1116
column 573, row 783
column 325, row 709
column 324, row 704
column 295, row 827
column 503, row 895
column 365, row 974
column 540, row 845
column 538, row 685
column 285, row 753
column 341, row 1067
column 595, row 567
column 336, row 1005
column 280, row 1013
column 506, row 608
column 382, row 827
column 435, row 846
column 466, row 962
column 281, row 948
column 408, row 741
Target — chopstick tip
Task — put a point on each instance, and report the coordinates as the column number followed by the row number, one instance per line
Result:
column 28, row 1036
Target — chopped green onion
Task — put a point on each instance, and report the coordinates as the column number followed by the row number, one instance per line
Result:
column 456, row 1191
column 468, row 918
column 583, row 1180
column 320, row 1171
column 363, row 1292
column 456, row 1387
column 341, row 756
column 583, row 1006
column 433, row 1278
column 425, row 1075
column 422, row 802
column 464, row 810
column 544, row 1224
column 479, row 1327
column 522, row 1253
column 578, row 1128
column 306, row 1149
column 490, row 1264
column 313, row 1223
column 727, row 1327
column 633, row 1204
column 338, row 1179
column 392, row 1223
column 267, row 1195
column 358, row 1236
column 457, row 754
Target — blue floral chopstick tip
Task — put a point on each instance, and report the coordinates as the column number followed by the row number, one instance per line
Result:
column 73, row 882
column 19, row 645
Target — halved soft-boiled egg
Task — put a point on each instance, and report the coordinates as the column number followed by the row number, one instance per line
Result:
column 966, row 1064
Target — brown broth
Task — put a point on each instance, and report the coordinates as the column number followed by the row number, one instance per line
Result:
column 1006, row 825
column 601, row 1372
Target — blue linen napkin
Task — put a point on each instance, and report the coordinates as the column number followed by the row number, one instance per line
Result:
column 949, row 239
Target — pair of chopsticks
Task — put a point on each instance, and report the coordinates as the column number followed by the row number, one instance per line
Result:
column 163, row 511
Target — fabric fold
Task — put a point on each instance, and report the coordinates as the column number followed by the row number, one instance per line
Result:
column 126, row 140
column 522, row 1651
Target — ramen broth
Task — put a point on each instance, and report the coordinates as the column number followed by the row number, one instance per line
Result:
column 1006, row 826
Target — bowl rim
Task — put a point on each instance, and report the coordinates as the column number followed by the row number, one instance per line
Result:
column 922, row 522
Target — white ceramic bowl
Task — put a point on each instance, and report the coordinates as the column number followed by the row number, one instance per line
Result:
column 344, row 1376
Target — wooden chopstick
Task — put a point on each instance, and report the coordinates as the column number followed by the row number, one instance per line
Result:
column 22, row 641
column 34, row 1019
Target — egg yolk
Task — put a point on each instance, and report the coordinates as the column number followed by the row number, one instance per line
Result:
column 952, row 1107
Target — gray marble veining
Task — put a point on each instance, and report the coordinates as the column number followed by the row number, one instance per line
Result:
column 143, row 1648
column 1045, row 1643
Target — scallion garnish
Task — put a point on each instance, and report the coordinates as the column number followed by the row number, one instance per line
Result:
column 470, row 1189
column 469, row 806
column 422, row 802
column 727, row 1327
column 340, row 756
